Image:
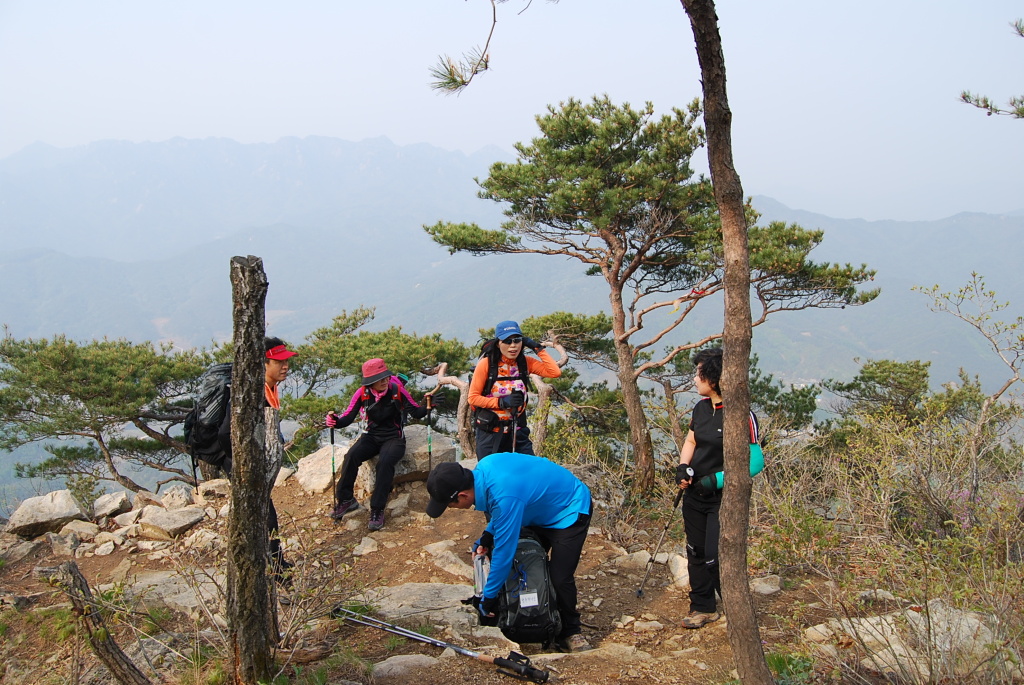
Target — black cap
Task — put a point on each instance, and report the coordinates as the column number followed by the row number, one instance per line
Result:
column 445, row 481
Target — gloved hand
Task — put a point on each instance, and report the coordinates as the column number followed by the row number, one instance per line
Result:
column 489, row 606
column 531, row 343
column 486, row 541
column 331, row 420
column 684, row 474
column 435, row 401
column 707, row 485
column 512, row 400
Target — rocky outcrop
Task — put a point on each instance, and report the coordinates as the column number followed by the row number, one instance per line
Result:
column 45, row 514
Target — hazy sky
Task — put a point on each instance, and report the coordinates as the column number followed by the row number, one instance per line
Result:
column 845, row 108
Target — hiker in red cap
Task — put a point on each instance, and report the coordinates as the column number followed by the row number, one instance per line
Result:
column 275, row 370
column 499, row 389
column 383, row 403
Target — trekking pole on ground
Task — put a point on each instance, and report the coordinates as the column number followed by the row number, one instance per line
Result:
column 516, row 665
column 334, row 490
column 650, row 562
column 514, row 429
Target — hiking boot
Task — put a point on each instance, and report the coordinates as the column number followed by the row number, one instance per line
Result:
column 376, row 519
column 343, row 508
column 574, row 643
column 699, row 619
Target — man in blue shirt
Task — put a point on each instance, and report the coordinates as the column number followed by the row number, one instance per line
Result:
column 522, row 491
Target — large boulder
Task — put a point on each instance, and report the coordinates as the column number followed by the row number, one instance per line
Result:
column 157, row 523
column 111, row 504
column 314, row 472
column 45, row 514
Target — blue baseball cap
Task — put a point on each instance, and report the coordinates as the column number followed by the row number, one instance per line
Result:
column 506, row 329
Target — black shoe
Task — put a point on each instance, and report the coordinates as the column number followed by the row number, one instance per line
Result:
column 376, row 519
column 346, row 507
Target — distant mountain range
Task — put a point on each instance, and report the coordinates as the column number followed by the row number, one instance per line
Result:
column 132, row 240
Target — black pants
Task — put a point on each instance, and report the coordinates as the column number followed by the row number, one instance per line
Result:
column 276, row 553
column 488, row 442
column 565, row 546
column 700, row 518
column 389, row 452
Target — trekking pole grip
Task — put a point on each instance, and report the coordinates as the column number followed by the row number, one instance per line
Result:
column 332, row 437
column 523, row 669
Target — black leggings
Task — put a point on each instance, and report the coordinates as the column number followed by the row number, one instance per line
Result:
column 700, row 516
column 389, row 452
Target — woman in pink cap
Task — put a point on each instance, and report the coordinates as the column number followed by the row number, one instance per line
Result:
column 383, row 402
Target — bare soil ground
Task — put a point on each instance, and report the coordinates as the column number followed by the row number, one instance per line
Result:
column 39, row 646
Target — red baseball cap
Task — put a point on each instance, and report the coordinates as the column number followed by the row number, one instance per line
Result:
column 280, row 353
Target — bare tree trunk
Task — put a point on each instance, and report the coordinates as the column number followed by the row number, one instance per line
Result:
column 539, row 429
column 248, row 594
column 639, row 432
column 744, row 635
column 672, row 412
column 463, row 416
column 539, row 419
column 70, row 580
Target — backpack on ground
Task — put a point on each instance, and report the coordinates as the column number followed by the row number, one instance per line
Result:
column 210, row 406
column 528, row 608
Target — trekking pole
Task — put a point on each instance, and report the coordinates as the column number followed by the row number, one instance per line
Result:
column 430, row 441
column 650, row 562
column 515, row 426
column 334, row 490
column 516, row 665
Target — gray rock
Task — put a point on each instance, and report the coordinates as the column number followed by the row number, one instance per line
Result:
column 109, row 536
column 85, row 530
column 414, row 466
column 21, row 549
column 172, row 590
column 219, row 488
column 63, row 545
column 45, row 514
column 314, row 472
column 447, row 561
column 399, row 668
column 144, row 498
column 105, row 549
column 636, row 560
column 677, row 566
column 435, row 603
column 766, row 585
column 876, row 596
column 284, row 474
column 111, row 504
column 178, row 496
column 127, row 518
column 158, row 523
column 366, row 546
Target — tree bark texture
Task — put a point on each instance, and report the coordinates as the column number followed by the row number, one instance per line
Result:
column 744, row 635
column 248, row 595
column 672, row 412
column 70, row 580
column 639, row 432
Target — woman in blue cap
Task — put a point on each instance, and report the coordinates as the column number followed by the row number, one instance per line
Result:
column 499, row 387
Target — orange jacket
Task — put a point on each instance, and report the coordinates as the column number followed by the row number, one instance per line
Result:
column 543, row 366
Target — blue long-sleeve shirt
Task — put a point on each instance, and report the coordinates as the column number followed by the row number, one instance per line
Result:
column 517, row 490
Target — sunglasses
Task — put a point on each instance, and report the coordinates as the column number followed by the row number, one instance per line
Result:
column 513, row 340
